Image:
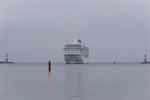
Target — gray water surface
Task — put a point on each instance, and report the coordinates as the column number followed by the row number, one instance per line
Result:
column 74, row 82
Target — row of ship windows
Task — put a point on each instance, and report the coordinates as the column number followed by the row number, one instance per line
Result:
column 73, row 51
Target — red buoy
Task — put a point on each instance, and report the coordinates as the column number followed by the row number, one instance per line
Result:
column 49, row 66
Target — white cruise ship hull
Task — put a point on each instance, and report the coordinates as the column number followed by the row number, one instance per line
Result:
column 73, row 59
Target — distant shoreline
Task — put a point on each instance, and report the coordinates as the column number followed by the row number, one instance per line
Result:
column 145, row 62
column 6, row 62
column 68, row 64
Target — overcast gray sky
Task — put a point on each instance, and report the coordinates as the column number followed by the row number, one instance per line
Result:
column 36, row 30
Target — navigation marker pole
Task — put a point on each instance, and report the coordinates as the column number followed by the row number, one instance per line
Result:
column 49, row 65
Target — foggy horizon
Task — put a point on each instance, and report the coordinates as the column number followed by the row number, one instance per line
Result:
column 37, row 30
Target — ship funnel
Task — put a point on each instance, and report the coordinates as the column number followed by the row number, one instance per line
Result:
column 79, row 41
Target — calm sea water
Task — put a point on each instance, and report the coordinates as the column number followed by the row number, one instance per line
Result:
column 75, row 82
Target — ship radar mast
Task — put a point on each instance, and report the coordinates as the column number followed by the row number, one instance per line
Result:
column 77, row 41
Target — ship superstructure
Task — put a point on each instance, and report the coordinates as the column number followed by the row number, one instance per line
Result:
column 75, row 52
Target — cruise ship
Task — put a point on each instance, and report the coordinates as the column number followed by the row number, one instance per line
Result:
column 76, row 52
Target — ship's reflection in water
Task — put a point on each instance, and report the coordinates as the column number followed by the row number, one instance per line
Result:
column 76, row 82
column 49, row 79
